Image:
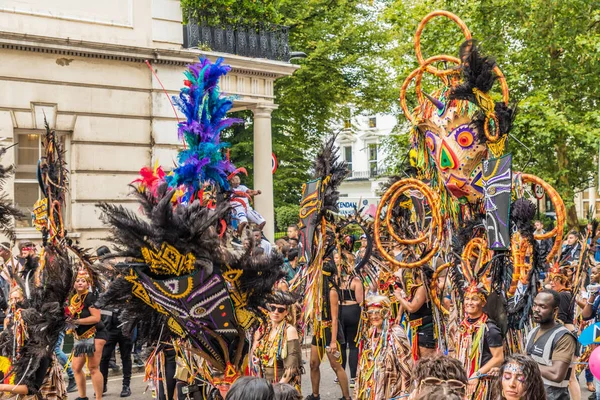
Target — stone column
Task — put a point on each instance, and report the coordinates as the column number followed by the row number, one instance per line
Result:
column 263, row 178
column 592, row 203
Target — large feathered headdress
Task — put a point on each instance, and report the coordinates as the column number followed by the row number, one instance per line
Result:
column 205, row 111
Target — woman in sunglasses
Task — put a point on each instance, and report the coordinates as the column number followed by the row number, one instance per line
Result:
column 385, row 361
column 277, row 355
column 519, row 379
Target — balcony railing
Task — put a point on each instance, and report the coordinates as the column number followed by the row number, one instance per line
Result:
column 265, row 41
column 364, row 175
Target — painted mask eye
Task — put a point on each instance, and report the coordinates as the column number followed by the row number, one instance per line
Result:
column 464, row 136
column 430, row 142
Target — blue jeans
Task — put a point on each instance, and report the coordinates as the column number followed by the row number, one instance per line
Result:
column 588, row 376
column 62, row 357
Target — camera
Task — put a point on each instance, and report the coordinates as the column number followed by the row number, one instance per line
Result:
column 593, row 288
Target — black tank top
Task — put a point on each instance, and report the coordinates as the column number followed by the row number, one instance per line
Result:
column 423, row 312
column 348, row 295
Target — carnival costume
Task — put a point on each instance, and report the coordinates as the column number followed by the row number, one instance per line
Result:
column 47, row 281
column 275, row 353
column 78, row 308
column 183, row 281
column 385, row 357
column 323, row 232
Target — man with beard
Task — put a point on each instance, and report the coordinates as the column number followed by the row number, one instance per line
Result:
column 551, row 345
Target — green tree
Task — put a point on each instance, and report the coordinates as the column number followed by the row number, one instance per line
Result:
column 293, row 158
column 286, row 216
column 549, row 53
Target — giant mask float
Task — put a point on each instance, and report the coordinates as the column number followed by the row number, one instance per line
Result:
column 480, row 214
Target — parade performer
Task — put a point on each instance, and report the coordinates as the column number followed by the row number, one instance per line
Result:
column 385, row 357
column 89, row 334
column 277, row 352
column 323, row 232
column 420, row 313
column 519, row 379
column 29, row 367
column 183, row 279
column 560, row 282
column 478, row 342
column 351, row 298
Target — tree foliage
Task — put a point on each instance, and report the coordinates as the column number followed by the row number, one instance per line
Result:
column 286, row 215
column 345, row 47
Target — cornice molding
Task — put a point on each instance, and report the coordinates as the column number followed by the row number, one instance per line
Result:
column 108, row 51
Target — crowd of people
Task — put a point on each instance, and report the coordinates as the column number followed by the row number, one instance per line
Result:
column 452, row 290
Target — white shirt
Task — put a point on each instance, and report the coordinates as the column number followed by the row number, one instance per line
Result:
column 244, row 189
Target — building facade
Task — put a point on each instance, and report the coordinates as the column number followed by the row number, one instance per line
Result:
column 84, row 67
column 360, row 142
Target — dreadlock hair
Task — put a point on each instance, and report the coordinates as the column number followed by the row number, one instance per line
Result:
column 441, row 367
column 441, row 392
column 533, row 384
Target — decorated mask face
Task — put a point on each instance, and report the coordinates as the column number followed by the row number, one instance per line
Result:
column 452, row 141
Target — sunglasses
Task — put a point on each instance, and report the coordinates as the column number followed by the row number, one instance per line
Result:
column 451, row 383
column 274, row 308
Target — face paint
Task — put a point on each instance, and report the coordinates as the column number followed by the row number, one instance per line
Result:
column 514, row 368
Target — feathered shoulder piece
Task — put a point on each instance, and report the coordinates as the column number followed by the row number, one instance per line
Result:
column 203, row 159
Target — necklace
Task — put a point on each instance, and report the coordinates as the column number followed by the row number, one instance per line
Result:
column 76, row 304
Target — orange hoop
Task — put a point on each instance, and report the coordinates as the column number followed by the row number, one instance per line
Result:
column 433, row 289
column 392, row 194
column 561, row 214
column 425, row 65
column 418, row 73
column 428, row 17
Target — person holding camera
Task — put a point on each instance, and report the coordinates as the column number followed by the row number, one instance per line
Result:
column 591, row 312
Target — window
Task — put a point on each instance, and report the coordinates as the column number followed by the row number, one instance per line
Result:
column 348, row 156
column 373, row 122
column 27, row 190
column 347, row 124
column 373, row 159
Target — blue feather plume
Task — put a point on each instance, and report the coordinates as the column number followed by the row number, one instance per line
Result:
column 203, row 159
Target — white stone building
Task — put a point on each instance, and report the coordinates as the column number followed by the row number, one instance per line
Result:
column 82, row 65
column 360, row 142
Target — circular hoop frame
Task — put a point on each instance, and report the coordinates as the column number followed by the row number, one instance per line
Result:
column 433, row 289
column 390, row 197
column 561, row 214
column 429, row 17
column 425, row 66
